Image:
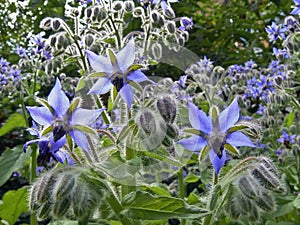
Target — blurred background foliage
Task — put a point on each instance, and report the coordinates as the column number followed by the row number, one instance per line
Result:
column 226, row 31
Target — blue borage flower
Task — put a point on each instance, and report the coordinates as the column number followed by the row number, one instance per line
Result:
column 61, row 118
column 274, row 31
column 116, row 70
column 215, row 133
column 48, row 147
column 296, row 9
column 164, row 3
column 286, row 138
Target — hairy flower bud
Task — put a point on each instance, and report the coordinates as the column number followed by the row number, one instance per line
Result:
column 128, row 6
column 64, row 186
column 46, row 23
column 169, row 13
column 171, row 27
column 117, row 5
column 147, row 122
column 266, row 177
column 266, row 202
column 249, row 187
column 55, row 24
column 61, row 207
column 44, row 211
column 167, row 108
column 138, row 12
column 45, row 186
column 156, row 51
column 172, row 131
column 89, row 39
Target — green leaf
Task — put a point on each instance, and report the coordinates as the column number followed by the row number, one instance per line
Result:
column 12, row 160
column 142, row 205
column 80, row 85
column 203, row 153
column 74, row 105
column 296, row 202
column 289, row 119
column 230, row 148
column 15, row 120
column 191, row 178
column 113, row 58
column 14, row 203
column 192, row 131
column 135, row 67
column 159, row 190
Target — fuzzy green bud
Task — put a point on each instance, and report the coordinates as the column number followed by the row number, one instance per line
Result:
column 44, row 211
column 55, row 24
column 266, row 177
column 128, row 6
column 88, row 39
column 167, row 108
column 249, row 187
column 169, row 12
column 61, row 207
column 64, row 186
column 33, row 198
column 45, row 186
column 46, row 23
column 172, row 131
column 266, row 202
column 156, row 51
column 138, row 12
column 117, row 5
column 171, row 27
column 147, row 122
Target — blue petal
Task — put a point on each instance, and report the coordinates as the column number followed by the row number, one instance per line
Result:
column 199, row 120
column 216, row 161
column 127, row 94
column 29, row 143
column 102, row 86
column 80, row 139
column 58, row 100
column 295, row 11
column 155, row 2
column 229, row 116
column 41, row 115
column 193, row 143
column 99, row 63
column 164, row 6
column 55, row 146
column 239, row 139
column 84, row 116
column 60, row 156
column 138, row 76
column 125, row 57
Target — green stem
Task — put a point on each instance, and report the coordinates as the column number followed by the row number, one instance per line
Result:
column 215, row 178
column 93, row 150
column 181, row 183
column 116, row 32
column 33, row 164
column 23, row 104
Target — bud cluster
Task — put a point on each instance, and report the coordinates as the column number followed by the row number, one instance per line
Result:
column 64, row 192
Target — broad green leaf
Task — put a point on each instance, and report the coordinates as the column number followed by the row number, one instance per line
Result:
column 81, row 84
column 289, row 119
column 142, row 205
column 191, row 178
column 12, row 160
column 159, row 190
column 14, row 203
column 14, row 121
column 296, row 202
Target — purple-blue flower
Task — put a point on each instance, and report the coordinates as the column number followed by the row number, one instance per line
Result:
column 216, row 134
column 117, row 70
column 296, row 9
column 205, row 64
column 275, row 31
column 60, row 117
column 287, row 139
column 186, row 24
column 164, row 3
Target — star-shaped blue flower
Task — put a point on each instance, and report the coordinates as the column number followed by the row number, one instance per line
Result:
column 296, row 9
column 61, row 117
column 274, row 31
column 116, row 70
column 217, row 134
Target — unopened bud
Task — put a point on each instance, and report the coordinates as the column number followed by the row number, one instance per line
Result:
column 172, row 131
column 147, row 122
column 61, row 207
column 32, row 199
column 64, row 186
column 55, row 24
column 169, row 12
column 167, row 108
column 117, row 5
column 138, row 12
column 89, row 39
column 167, row 142
column 171, row 27
column 266, row 202
column 266, row 177
column 45, row 186
column 128, row 6
column 44, row 211
column 249, row 187
column 46, row 23
column 156, row 51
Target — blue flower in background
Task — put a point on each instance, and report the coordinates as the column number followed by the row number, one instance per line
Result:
column 296, row 9
column 116, row 70
column 164, row 3
column 275, row 31
column 205, row 64
column 61, row 117
column 216, row 134
column 286, row 138
column 186, row 24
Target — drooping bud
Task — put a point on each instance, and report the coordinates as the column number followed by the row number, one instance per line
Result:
column 172, row 131
column 147, row 122
column 44, row 211
column 171, row 27
column 46, row 23
column 128, row 6
column 117, row 5
column 249, row 187
column 167, row 108
column 138, row 12
column 55, row 24
column 266, row 202
column 64, row 186
column 33, row 198
column 45, row 186
column 266, row 177
column 61, row 207
column 169, row 12
column 88, row 39
column 156, row 51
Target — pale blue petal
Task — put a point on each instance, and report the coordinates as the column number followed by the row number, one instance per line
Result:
column 164, row 6
column 84, row 116
column 80, row 139
column 102, row 86
column 193, row 143
column 155, row 2
column 217, row 162
column 29, row 143
column 295, row 11
column 172, row 1
column 55, row 146
column 58, row 100
column 127, row 94
column 229, row 116
column 239, row 139
column 99, row 63
column 138, row 76
column 41, row 115
column 60, row 156
column 125, row 56
column 199, row 120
